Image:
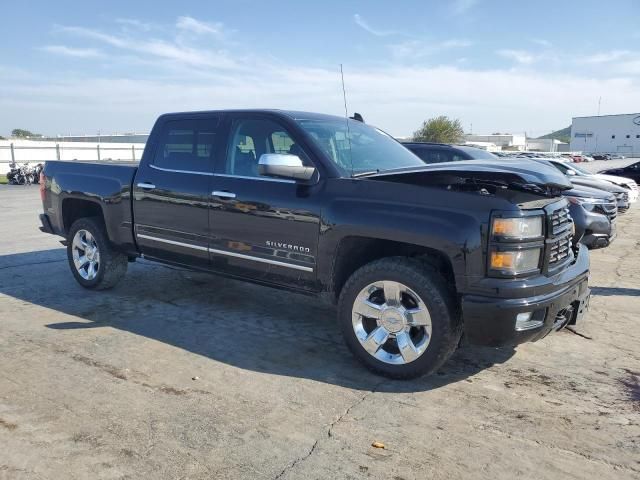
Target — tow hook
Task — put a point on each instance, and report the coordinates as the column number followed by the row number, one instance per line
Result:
column 563, row 317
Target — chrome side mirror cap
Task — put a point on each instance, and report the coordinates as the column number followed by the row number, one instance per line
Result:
column 284, row 166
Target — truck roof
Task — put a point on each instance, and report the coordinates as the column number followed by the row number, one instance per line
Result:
column 294, row 114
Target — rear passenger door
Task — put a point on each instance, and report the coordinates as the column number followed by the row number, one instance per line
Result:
column 172, row 191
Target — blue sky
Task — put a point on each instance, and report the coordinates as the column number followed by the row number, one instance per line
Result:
column 84, row 67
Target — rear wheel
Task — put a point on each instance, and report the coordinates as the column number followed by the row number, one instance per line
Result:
column 398, row 317
column 94, row 262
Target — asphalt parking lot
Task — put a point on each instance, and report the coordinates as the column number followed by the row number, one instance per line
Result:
column 175, row 374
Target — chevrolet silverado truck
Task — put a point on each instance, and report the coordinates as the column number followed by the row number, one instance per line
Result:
column 414, row 256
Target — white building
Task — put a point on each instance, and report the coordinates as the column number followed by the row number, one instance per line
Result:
column 505, row 141
column 607, row 134
column 545, row 145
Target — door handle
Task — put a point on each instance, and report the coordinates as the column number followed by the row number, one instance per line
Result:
column 146, row 186
column 223, row 194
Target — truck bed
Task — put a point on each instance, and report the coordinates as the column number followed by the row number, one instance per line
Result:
column 103, row 185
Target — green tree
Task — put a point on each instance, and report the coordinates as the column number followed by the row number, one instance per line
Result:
column 440, row 129
column 21, row 133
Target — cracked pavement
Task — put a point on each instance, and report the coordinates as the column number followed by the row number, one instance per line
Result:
column 175, row 374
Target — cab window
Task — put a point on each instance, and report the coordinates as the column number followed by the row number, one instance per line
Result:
column 186, row 145
column 251, row 138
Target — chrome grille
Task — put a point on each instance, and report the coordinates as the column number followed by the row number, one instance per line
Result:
column 622, row 196
column 560, row 236
column 560, row 221
column 608, row 209
column 560, row 250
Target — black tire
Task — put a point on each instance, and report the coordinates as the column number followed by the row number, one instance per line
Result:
column 432, row 289
column 113, row 264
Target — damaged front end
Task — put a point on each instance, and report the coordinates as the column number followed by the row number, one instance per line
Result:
column 485, row 178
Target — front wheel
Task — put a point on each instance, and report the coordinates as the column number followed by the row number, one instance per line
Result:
column 398, row 317
column 94, row 262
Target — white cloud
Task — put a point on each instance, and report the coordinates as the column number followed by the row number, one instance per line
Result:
column 192, row 25
column 174, row 51
column 135, row 24
column 542, row 42
column 418, row 48
column 604, row 57
column 92, row 34
column 460, row 7
column 72, row 52
column 362, row 23
column 455, row 43
column 395, row 98
column 520, row 56
column 170, row 74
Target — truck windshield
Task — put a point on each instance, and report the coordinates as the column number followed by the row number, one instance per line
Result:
column 361, row 149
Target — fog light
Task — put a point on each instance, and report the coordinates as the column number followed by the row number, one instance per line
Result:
column 524, row 322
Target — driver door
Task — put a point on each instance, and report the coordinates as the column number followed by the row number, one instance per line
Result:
column 262, row 228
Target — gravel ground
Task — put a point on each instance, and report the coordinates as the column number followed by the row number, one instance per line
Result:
column 182, row 375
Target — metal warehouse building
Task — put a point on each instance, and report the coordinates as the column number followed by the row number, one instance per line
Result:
column 607, row 134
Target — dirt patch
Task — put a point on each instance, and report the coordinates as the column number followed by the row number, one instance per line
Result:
column 110, row 369
column 631, row 385
column 8, row 425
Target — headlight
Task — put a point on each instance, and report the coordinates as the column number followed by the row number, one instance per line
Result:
column 516, row 261
column 587, row 203
column 520, row 227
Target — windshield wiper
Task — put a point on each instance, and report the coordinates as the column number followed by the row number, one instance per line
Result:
column 365, row 174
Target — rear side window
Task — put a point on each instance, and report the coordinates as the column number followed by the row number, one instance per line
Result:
column 187, row 145
column 432, row 156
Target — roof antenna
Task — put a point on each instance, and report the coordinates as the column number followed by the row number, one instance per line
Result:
column 346, row 116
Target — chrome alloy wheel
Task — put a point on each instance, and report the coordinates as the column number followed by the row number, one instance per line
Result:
column 391, row 322
column 86, row 255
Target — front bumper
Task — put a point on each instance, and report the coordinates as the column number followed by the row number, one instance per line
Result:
column 594, row 229
column 491, row 321
column 46, row 226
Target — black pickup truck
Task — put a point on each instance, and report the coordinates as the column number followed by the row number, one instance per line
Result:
column 414, row 256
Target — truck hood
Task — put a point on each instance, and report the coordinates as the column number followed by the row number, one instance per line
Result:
column 518, row 174
column 588, row 192
column 599, row 184
column 614, row 179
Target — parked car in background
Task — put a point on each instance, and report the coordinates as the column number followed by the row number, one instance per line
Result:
column 443, row 152
column 601, row 156
column 575, row 171
column 630, row 171
column 594, row 214
column 621, row 194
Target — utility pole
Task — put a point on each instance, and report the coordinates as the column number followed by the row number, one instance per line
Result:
column 599, row 101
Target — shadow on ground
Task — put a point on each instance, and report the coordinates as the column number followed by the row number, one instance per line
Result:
column 615, row 291
column 247, row 326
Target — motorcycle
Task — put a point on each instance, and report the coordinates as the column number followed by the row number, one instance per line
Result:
column 24, row 174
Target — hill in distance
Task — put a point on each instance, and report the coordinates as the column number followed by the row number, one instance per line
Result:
column 564, row 134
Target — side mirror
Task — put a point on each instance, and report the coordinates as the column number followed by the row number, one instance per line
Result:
column 571, row 173
column 284, row 166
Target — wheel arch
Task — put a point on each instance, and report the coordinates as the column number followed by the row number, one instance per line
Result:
column 353, row 252
column 76, row 208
